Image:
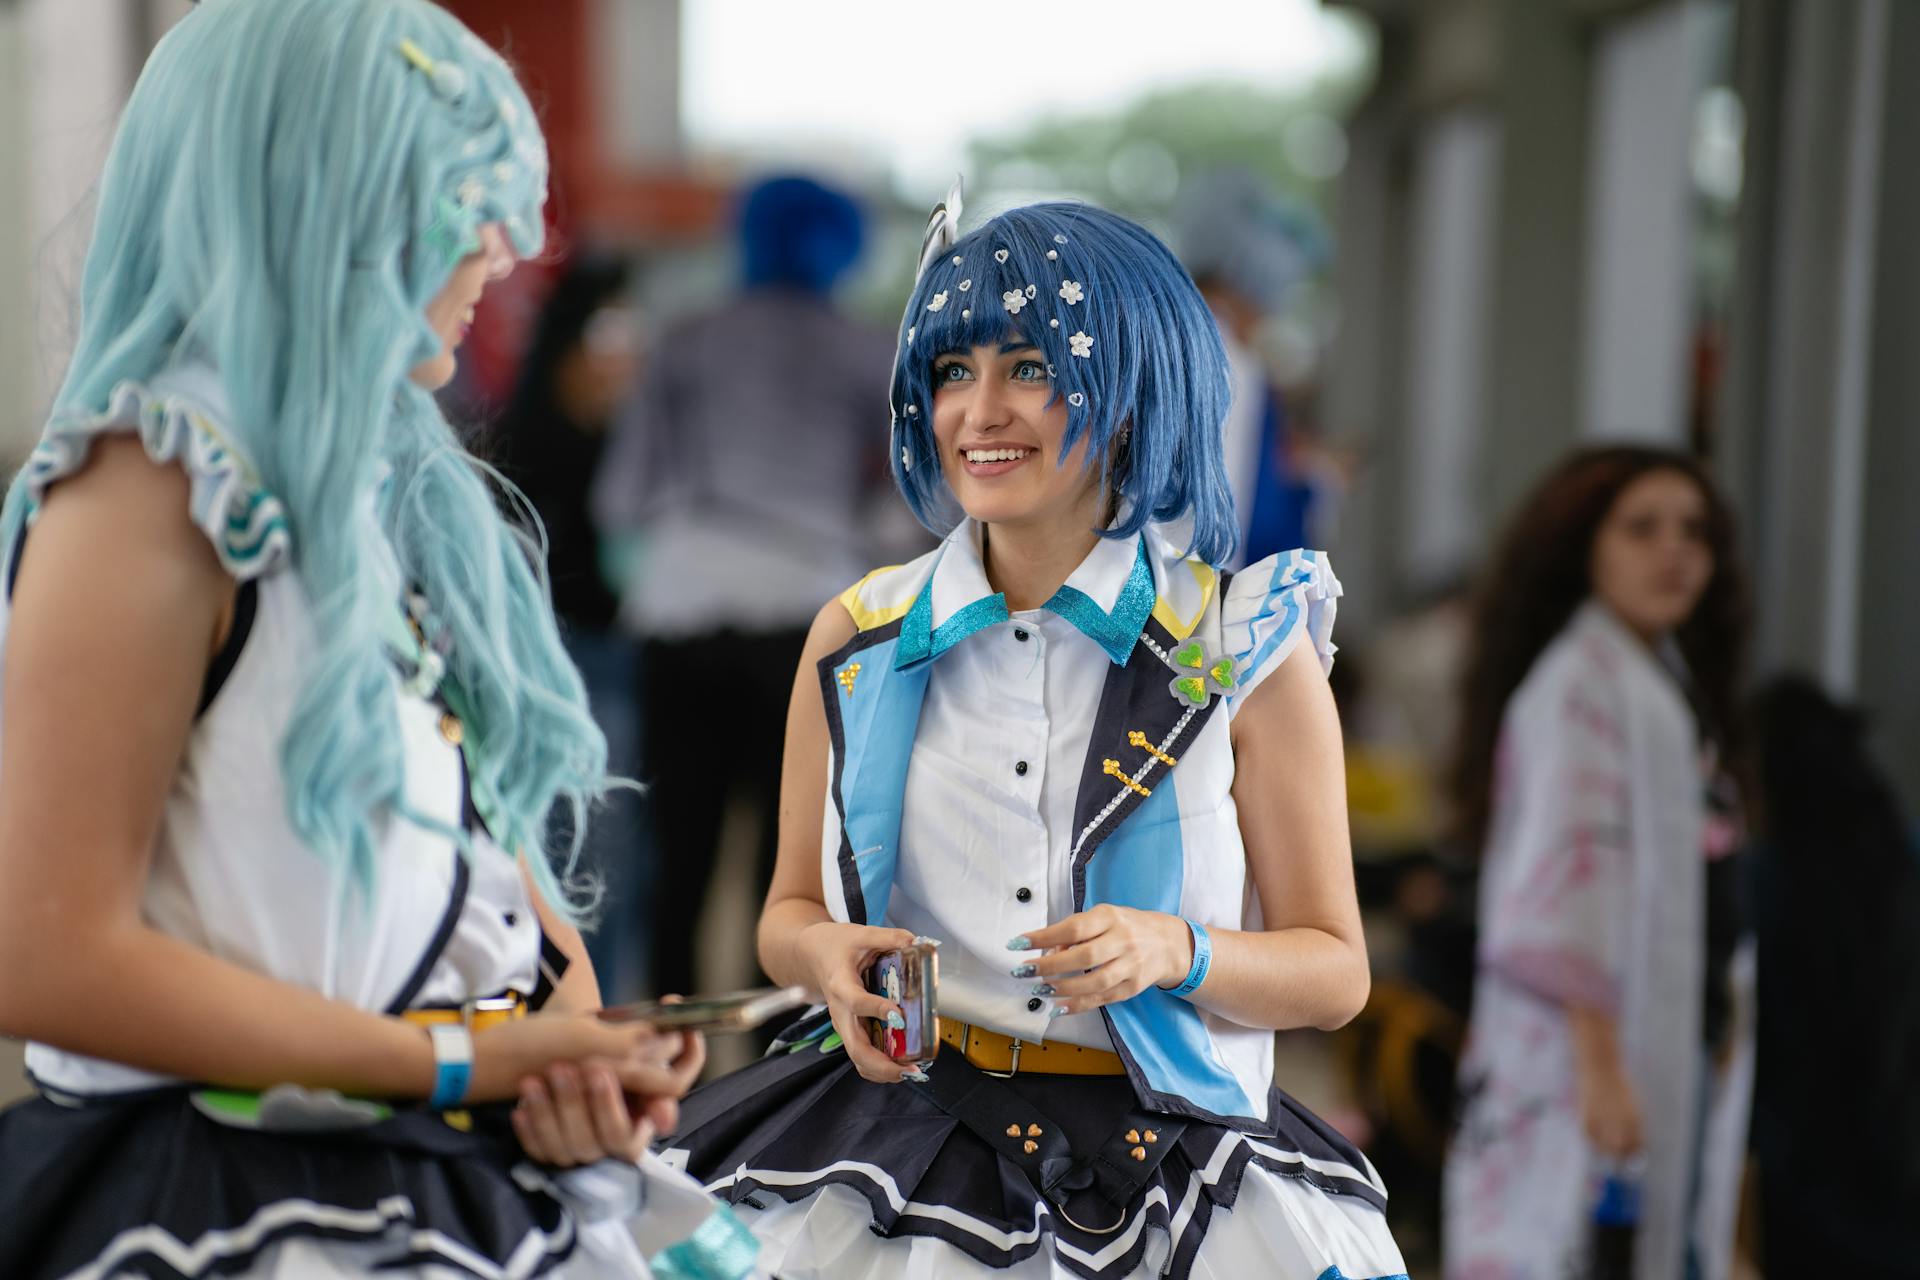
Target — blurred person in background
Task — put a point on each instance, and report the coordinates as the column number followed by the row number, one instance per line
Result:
column 1837, row 911
column 1107, row 778
column 1247, row 250
column 1599, row 714
column 736, row 478
column 577, row 369
column 287, row 713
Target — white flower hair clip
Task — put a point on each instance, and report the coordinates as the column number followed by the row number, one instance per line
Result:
column 1082, row 345
column 1013, row 300
column 1071, row 291
column 937, row 301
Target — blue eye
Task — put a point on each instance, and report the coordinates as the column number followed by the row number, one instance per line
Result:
column 1030, row 371
column 954, row 372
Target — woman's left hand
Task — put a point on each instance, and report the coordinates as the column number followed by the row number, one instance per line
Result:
column 577, row 1113
column 1106, row 955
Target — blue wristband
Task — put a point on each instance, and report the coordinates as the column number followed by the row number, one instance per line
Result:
column 452, row 1064
column 1202, row 960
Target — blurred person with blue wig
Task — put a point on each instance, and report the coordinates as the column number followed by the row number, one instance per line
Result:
column 1248, row 250
column 286, row 714
column 736, row 482
column 1105, row 774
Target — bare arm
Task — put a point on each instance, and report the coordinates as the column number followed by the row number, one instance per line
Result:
column 795, row 899
column 116, row 610
column 579, row 988
column 1308, row 966
column 800, row 942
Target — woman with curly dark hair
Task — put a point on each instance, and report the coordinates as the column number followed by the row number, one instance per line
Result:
column 1599, row 708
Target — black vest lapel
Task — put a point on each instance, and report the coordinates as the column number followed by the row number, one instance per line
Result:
column 1136, row 700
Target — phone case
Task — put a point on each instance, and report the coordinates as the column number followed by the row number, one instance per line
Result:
column 733, row 1011
column 910, row 977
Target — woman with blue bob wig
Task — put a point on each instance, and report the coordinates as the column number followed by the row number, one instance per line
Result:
column 1103, row 778
column 286, row 714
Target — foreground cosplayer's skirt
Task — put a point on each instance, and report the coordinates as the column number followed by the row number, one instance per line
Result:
column 173, row 1185
column 846, row 1180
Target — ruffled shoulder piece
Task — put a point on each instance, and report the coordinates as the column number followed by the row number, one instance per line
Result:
column 1269, row 607
column 246, row 524
column 885, row 595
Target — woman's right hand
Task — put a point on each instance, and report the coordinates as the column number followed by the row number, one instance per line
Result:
column 1609, row 1111
column 640, row 1057
column 836, row 955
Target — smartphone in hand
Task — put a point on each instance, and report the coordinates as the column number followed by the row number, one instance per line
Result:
column 910, row 977
column 734, row 1011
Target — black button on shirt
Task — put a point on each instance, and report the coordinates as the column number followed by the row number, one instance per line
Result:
column 1023, row 894
column 1020, row 768
column 1033, row 1005
column 1019, row 634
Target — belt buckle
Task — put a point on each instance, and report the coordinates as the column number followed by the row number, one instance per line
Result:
column 1013, row 1067
column 502, row 1004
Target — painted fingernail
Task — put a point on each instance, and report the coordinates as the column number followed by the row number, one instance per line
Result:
column 914, row 1077
column 1041, row 989
column 895, row 1021
column 1021, row 943
column 1024, row 971
column 922, row 940
column 1058, row 1011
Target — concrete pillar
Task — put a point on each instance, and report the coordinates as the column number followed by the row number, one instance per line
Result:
column 1824, row 384
column 1888, row 545
column 1455, row 179
column 1639, row 311
column 65, row 69
column 1366, row 374
column 1534, row 342
column 637, row 69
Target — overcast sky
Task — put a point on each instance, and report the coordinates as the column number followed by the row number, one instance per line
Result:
column 907, row 83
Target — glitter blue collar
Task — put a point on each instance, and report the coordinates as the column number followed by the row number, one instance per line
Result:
column 1115, row 630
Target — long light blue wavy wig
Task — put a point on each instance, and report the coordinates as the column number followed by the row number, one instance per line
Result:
column 287, row 192
column 1056, row 276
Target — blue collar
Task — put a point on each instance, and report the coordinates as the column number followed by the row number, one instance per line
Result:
column 959, row 595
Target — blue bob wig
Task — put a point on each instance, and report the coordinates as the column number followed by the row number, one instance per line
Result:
column 1128, row 342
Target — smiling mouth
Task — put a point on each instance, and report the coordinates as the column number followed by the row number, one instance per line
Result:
column 984, row 456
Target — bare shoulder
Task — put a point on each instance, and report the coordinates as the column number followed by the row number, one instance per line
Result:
column 120, row 490
column 1293, row 695
column 832, row 627
column 121, row 530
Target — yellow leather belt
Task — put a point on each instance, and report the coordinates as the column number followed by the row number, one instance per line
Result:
column 478, row 1015
column 1004, row 1055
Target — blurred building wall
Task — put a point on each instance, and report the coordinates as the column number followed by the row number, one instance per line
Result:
column 1823, row 391
column 1521, row 260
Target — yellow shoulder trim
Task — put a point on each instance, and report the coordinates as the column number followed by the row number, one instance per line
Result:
column 1204, row 574
column 865, row 617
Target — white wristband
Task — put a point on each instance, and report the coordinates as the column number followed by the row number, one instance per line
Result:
column 452, row 1064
